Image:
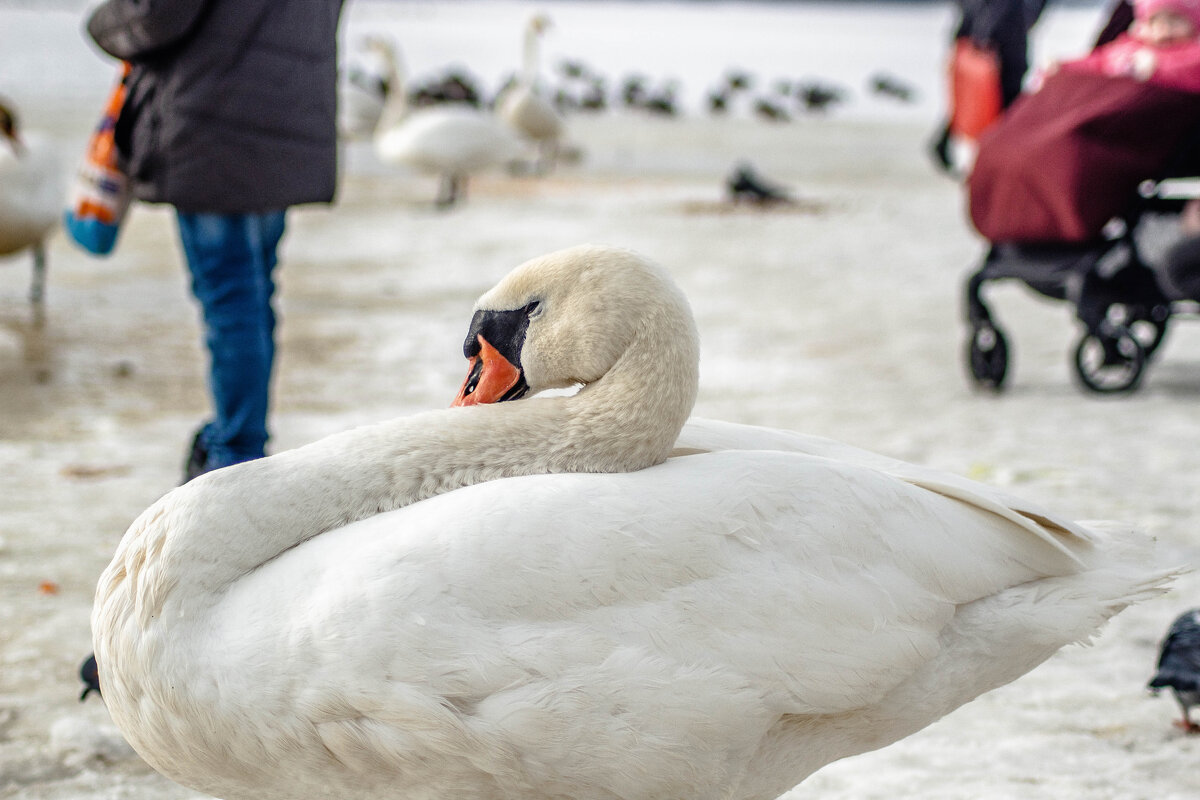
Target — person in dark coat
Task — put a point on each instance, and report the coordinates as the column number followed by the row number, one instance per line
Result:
column 230, row 118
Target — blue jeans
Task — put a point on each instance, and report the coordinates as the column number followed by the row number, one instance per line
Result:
column 231, row 258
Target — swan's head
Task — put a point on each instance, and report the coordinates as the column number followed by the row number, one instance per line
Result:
column 384, row 57
column 568, row 318
column 539, row 23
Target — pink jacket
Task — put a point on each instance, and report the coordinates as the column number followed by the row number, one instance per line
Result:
column 1176, row 66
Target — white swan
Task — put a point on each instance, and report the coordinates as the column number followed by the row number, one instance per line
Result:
column 533, row 600
column 362, row 91
column 31, row 196
column 523, row 108
column 451, row 141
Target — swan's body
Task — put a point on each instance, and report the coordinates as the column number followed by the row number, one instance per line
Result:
column 451, row 142
column 523, row 107
column 436, row 607
column 31, row 196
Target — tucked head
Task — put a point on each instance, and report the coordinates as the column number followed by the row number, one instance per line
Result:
column 1161, row 23
column 567, row 318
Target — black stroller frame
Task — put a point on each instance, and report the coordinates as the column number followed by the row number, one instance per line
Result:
column 1124, row 306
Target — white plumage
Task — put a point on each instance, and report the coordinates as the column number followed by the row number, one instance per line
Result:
column 362, row 90
column 450, row 141
column 523, row 107
column 31, row 195
column 577, row 596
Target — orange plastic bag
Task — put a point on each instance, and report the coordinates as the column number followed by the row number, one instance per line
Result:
column 99, row 195
column 974, row 89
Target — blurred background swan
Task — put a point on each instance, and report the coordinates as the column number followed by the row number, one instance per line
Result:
column 452, row 141
column 31, row 196
column 362, row 90
column 523, row 108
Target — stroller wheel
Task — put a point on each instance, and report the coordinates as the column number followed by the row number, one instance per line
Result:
column 1151, row 329
column 1110, row 362
column 987, row 354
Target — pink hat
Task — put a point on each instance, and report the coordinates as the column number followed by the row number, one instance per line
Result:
column 1144, row 9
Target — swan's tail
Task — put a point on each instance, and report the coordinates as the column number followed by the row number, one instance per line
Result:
column 1032, row 621
column 1122, row 570
column 1119, row 569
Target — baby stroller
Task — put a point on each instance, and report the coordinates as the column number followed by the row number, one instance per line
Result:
column 1063, row 187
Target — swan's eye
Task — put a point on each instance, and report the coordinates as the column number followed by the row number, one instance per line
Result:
column 533, row 309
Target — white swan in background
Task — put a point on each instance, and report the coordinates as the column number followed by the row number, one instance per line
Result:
column 451, row 141
column 32, row 193
column 521, row 106
column 362, row 91
column 554, row 598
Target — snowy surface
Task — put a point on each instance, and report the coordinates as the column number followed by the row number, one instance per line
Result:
column 840, row 317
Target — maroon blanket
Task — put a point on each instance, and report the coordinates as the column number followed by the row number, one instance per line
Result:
column 1065, row 160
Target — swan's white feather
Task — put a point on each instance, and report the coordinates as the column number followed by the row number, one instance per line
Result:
column 530, row 114
column 447, row 139
column 385, row 614
column 31, row 193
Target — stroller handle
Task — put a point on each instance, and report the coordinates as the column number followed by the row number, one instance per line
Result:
column 1170, row 189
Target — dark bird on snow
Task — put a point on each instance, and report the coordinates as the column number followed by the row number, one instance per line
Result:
column 89, row 673
column 893, row 87
column 818, row 96
column 633, row 91
column 718, row 101
column 595, row 96
column 575, row 70
column 662, row 102
column 745, row 185
column 738, row 80
column 1179, row 666
column 765, row 108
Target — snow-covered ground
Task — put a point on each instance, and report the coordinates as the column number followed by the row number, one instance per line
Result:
column 839, row 317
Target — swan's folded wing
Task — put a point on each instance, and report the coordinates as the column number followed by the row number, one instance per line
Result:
column 819, row 586
column 713, row 435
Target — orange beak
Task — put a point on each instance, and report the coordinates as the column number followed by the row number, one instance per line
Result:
column 489, row 378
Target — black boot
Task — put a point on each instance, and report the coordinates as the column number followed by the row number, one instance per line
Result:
column 939, row 150
column 197, row 457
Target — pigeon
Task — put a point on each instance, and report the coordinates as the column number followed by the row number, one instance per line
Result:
column 1179, row 665
column 893, row 87
column 746, row 185
column 89, row 673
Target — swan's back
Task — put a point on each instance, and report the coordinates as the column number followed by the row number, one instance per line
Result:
column 31, row 193
column 529, row 114
column 447, row 139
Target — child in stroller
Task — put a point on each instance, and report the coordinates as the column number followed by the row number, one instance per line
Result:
column 1064, row 187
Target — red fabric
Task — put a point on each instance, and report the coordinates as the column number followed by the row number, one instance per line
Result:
column 1064, row 161
column 974, row 89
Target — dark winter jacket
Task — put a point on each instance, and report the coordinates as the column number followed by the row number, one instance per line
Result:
column 232, row 103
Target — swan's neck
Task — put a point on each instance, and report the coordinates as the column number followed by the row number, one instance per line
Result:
column 183, row 552
column 395, row 104
column 529, row 61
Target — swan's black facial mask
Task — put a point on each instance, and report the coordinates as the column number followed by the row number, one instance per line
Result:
column 493, row 346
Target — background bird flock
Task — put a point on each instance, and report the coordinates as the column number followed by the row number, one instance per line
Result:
column 575, row 87
column 451, row 124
